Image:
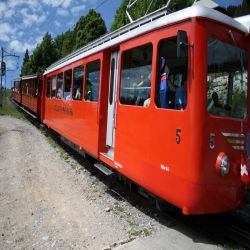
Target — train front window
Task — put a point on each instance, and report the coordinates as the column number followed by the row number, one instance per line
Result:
column 136, row 76
column 227, row 80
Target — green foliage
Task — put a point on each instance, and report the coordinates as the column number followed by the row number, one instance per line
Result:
column 65, row 43
column 120, row 17
column 44, row 54
column 143, row 7
column 26, row 67
column 89, row 28
column 8, row 108
column 240, row 10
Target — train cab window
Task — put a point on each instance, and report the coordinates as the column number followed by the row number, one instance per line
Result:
column 59, row 86
column 171, row 82
column 227, row 80
column 53, row 87
column 78, row 83
column 136, row 76
column 67, row 84
column 48, row 88
column 92, row 81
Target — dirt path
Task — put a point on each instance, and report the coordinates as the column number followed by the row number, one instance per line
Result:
column 50, row 201
column 45, row 204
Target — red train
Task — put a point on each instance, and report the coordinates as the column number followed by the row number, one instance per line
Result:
column 27, row 91
column 164, row 101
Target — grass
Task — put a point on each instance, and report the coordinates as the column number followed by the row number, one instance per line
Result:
column 8, row 108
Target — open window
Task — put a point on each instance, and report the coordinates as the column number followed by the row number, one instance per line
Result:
column 92, row 81
column 171, row 85
column 67, row 85
column 53, row 87
column 78, row 82
column 59, row 86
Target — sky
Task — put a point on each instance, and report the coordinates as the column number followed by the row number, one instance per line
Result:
column 23, row 23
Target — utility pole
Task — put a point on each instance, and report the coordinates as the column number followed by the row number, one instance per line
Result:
column 1, row 91
column 3, row 71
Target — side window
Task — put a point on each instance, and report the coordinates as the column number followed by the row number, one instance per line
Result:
column 53, row 88
column 136, row 76
column 171, row 85
column 67, row 84
column 48, row 87
column 59, row 86
column 78, row 82
column 92, row 81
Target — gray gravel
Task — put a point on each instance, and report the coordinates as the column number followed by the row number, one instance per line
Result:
column 47, row 203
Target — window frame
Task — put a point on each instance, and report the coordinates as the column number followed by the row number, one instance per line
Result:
column 73, row 82
column 158, row 73
column 239, row 45
column 129, row 48
column 85, row 79
column 53, row 77
column 48, row 78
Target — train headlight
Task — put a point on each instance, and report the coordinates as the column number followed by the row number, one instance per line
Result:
column 222, row 164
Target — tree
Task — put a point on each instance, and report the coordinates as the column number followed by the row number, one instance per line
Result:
column 43, row 55
column 120, row 17
column 26, row 67
column 143, row 7
column 239, row 10
column 65, row 43
column 89, row 28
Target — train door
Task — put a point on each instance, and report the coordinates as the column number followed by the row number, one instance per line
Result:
column 110, row 138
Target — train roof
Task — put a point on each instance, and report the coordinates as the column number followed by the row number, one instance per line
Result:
column 17, row 79
column 29, row 77
column 145, row 24
column 245, row 20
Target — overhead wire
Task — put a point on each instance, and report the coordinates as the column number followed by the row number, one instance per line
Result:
column 102, row 3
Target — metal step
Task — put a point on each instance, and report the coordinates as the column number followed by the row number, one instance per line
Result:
column 104, row 169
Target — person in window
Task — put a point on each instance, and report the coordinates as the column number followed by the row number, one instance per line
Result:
column 146, row 103
column 88, row 91
column 59, row 93
column 181, row 96
column 67, row 95
column 165, row 85
column 215, row 107
column 78, row 94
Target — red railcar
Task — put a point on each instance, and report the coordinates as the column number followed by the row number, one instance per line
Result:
column 27, row 92
column 16, row 90
column 164, row 101
column 31, row 89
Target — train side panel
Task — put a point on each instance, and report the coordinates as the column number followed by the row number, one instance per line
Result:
column 76, row 120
